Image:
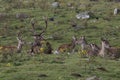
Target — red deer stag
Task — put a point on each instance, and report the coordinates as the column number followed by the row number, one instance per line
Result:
column 38, row 38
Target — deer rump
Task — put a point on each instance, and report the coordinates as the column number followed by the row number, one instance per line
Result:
column 114, row 52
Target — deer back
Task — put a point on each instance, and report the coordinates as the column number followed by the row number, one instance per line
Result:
column 68, row 47
column 114, row 52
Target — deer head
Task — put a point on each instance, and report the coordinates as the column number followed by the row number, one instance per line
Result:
column 38, row 37
column 94, row 46
column 105, row 43
column 21, row 42
column 82, row 41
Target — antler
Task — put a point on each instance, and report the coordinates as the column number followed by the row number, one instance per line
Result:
column 33, row 21
column 46, row 25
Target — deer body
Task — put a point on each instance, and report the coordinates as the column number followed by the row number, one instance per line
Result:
column 8, row 49
column 67, row 47
column 114, row 52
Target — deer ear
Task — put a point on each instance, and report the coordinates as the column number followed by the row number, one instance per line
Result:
column 74, row 37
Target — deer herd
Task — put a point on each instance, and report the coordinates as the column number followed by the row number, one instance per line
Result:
column 39, row 43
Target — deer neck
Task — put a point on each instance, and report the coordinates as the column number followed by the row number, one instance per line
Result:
column 73, row 44
column 103, row 48
column 84, row 45
column 102, row 51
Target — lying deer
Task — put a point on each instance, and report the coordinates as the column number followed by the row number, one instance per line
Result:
column 87, row 49
column 12, row 49
column 68, row 47
column 82, row 42
column 94, row 50
column 84, row 46
column 38, row 38
column 7, row 48
column 107, row 49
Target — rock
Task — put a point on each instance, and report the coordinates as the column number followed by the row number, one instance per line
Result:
column 78, row 27
column 55, row 4
column 116, row 11
column 94, row 0
column 93, row 78
column 102, row 69
column 83, row 15
column 113, row 0
column 51, row 19
column 42, row 75
column 76, row 74
column 69, row 4
column 21, row 16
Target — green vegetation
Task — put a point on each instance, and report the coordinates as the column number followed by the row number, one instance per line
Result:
column 102, row 23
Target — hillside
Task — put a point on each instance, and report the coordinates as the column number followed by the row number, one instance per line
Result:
column 16, row 15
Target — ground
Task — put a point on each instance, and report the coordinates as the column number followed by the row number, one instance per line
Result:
column 102, row 23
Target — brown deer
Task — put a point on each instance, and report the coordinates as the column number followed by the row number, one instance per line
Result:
column 87, row 49
column 6, row 51
column 7, row 48
column 68, row 47
column 82, row 42
column 38, row 38
column 106, row 49
column 13, row 49
column 94, row 50
column 48, row 48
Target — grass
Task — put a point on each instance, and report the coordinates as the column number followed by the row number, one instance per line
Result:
column 59, row 67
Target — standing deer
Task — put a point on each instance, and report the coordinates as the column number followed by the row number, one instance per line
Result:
column 107, row 49
column 68, row 47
